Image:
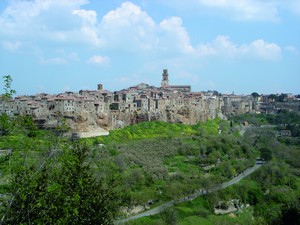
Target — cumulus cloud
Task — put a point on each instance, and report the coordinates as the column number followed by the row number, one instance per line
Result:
column 262, row 49
column 175, row 35
column 223, row 46
column 88, row 16
column 132, row 29
column 88, row 28
column 98, row 60
column 128, row 27
column 54, row 20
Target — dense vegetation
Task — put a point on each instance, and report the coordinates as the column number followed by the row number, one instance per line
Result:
column 160, row 161
column 284, row 119
column 272, row 193
column 47, row 178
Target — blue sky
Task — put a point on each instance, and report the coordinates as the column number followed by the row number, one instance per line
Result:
column 239, row 46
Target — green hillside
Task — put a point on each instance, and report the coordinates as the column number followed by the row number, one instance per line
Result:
column 146, row 165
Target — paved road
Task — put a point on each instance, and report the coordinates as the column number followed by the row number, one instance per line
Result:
column 244, row 129
column 197, row 193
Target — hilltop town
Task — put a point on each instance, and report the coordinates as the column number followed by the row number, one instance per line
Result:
column 90, row 110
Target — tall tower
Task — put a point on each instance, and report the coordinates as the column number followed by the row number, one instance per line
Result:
column 100, row 87
column 165, row 79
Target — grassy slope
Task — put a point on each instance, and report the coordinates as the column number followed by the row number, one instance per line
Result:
column 147, row 130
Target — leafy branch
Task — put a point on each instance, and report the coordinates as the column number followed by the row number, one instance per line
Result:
column 8, row 91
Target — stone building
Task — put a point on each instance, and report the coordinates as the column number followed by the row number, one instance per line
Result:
column 165, row 79
column 172, row 103
column 176, row 88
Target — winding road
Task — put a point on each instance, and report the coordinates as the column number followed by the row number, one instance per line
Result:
column 196, row 194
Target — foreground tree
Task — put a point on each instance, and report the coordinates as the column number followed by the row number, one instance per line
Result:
column 62, row 190
column 5, row 121
column 8, row 91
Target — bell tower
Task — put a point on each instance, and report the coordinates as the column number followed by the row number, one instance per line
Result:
column 165, row 78
column 100, row 87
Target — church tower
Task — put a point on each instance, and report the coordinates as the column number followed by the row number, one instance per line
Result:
column 100, row 87
column 165, row 79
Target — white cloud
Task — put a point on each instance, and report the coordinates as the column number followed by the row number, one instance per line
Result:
column 89, row 30
column 175, row 35
column 262, row 49
column 292, row 5
column 64, row 22
column 46, row 20
column 11, row 46
column 223, row 46
column 61, row 23
column 131, row 12
column 91, row 35
column 258, row 10
column 98, row 60
column 72, row 56
column 55, row 60
column 88, row 16
column 128, row 27
column 245, row 10
column 292, row 49
column 61, row 57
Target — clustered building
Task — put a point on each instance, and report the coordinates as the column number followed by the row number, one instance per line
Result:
column 138, row 99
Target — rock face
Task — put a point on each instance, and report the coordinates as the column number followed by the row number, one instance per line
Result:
column 86, row 121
